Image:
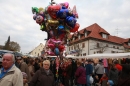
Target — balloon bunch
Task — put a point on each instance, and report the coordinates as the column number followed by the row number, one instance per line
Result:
column 58, row 20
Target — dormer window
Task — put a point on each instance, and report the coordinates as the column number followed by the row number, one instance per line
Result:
column 104, row 35
column 128, row 43
column 85, row 34
column 79, row 36
column 73, row 38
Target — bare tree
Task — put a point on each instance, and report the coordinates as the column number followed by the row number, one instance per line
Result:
column 102, row 47
column 14, row 46
column 78, row 49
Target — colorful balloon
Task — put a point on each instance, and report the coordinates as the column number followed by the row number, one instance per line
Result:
column 56, row 51
column 63, row 13
column 53, row 9
column 75, row 28
column 71, row 21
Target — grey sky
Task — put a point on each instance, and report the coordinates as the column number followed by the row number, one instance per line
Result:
column 17, row 19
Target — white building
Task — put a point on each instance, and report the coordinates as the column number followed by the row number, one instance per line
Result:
column 37, row 51
column 94, row 39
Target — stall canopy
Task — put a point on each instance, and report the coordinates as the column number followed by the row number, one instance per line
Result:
column 109, row 55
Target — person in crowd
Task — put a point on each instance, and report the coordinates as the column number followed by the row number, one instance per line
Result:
column 31, row 68
column 99, row 69
column 118, row 66
column 124, row 78
column 96, row 80
column 74, row 67
column 104, row 79
column 89, row 72
column 83, row 63
column 44, row 76
column 113, row 75
column 10, row 75
column 25, row 80
column 36, row 65
column 23, row 66
column 68, row 71
column 80, row 75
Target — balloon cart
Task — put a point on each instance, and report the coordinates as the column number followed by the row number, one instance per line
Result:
column 58, row 20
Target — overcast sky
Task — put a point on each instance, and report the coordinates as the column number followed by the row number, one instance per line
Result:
column 16, row 19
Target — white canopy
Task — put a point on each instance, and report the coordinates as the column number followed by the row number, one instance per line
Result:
column 109, row 55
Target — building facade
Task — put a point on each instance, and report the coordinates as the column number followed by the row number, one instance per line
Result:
column 37, row 51
column 94, row 39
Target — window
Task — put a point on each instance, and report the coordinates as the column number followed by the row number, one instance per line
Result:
column 113, row 46
column 83, row 45
column 79, row 36
column 97, row 44
column 85, row 34
column 84, row 54
column 73, row 38
column 71, row 47
column 128, row 44
column 104, row 35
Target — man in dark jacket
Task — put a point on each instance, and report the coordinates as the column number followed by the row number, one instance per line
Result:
column 68, row 71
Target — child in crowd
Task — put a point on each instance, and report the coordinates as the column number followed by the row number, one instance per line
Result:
column 103, row 81
column 25, row 79
column 96, row 80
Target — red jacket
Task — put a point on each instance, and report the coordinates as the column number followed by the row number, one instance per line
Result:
column 119, row 67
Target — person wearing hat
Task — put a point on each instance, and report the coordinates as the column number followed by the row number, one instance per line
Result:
column 25, row 80
column 23, row 66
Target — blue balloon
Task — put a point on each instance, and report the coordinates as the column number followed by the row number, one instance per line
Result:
column 71, row 21
column 56, row 51
column 60, row 29
column 63, row 13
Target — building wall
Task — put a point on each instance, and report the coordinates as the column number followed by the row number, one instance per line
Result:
column 37, row 51
column 91, row 47
column 110, row 48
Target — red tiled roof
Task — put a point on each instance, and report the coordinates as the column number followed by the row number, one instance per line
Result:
column 95, row 31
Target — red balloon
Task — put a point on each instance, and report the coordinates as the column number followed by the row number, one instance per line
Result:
column 61, row 48
column 75, row 28
column 53, row 9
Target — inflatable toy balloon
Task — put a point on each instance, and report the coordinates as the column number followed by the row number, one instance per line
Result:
column 39, row 19
column 34, row 16
column 61, row 27
column 75, row 28
column 41, row 10
column 63, row 13
column 61, row 48
column 66, row 4
column 53, row 9
column 56, row 51
column 53, row 22
column 50, row 53
column 74, row 11
column 35, row 10
column 71, row 21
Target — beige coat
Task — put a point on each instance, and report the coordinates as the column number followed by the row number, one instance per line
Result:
column 14, row 77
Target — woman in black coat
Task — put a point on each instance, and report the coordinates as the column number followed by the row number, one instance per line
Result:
column 44, row 76
column 124, row 78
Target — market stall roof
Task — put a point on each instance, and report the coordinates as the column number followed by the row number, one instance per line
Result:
column 109, row 55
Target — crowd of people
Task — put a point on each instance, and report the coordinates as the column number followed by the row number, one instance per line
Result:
column 19, row 71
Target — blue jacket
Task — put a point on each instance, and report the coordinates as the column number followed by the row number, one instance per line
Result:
column 89, row 69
